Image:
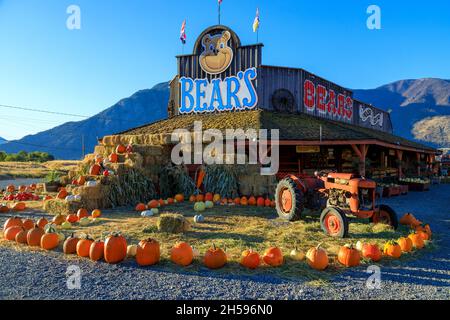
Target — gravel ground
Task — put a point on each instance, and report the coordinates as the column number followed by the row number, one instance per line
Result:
column 28, row 275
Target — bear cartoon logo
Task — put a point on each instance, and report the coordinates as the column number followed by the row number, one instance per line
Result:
column 217, row 55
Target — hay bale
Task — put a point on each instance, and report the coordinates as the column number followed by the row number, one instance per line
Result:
column 56, row 206
column 173, row 223
column 100, row 150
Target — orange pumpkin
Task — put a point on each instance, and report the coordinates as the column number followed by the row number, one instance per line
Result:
column 216, row 197
column 209, row 196
column 11, row 222
column 260, row 202
column 244, row 201
column 405, row 244
column 392, row 249
column 273, row 204
column 34, row 236
column 267, row 202
column 252, row 201
column 113, row 157
column 21, row 237
column 273, row 257
column 4, row 208
column 81, row 180
column 179, row 197
column 161, row 202
column 317, row 258
column 82, row 213
column 408, row 219
column 84, row 247
column 59, row 219
column 349, row 256
column 140, row 207
column 22, row 188
column 121, row 149
column 237, row 201
column 96, row 213
column 42, row 222
column 96, row 250
column 199, row 198
column 19, row 206
column 62, row 194
column 428, row 230
column 215, row 258
column 50, row 240
column 250, row 259
column 95, row 169
column 28, row 224
column 11, row 232
column 47, row 197
column 70, row 245
column 371, row 251
column 148, row 252
column 115, row 248
column 182, row 254
column 11, row 188
column 72, row 218
column 417, row 240
column 153, row 204
column 170, row 200
column 192, row 198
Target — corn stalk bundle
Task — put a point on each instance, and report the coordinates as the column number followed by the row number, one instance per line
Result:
column 174, row 180
column 130, row 188
column 222, row 179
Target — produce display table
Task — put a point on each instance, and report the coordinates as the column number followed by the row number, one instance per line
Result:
column 414, row 186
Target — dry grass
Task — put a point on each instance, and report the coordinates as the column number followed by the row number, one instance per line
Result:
column 11, row 170
column 238, row 228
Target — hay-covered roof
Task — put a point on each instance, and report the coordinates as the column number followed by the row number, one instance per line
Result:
column 291, row 126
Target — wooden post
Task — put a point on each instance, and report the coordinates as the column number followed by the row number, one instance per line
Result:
column 399, row 154
column 418, row 163
column 361, row 152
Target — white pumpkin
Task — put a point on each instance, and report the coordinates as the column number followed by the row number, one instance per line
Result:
column 209, row 204
column 131, row 250
column 297, row 255
column 195, row 252
column 155, row 210
column 91, row 183
column 147, row 213
column 77, row 197
column 359, row 246
column 199, row 218
column 70, row 198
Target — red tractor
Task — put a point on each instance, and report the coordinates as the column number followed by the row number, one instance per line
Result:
column 338, row 195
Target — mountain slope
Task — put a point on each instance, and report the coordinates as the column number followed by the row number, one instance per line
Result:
column 412, row 101
column 65, row 141
column 2, row 140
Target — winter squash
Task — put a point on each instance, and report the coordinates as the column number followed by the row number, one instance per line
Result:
column 28, row 224
column 260, row 202
column 209, row 204
column 237, row 201
column 267, row 202
column 155, row 211
column 199, row 206
column 408, row 219
column 34, row 236
column 62, row 194
column 120, row 149
column 82, row 213
column 50, row 240
column 244, row 201
column 170, row 200
column 405, row 244
column 11, row 232
column 148, row 252
column 84, row 246
column 349, row 256
column 297, row 255
column 70, row 245
column 392, row 249
column 317, row 258
column 179, row 197
column 199, row 218
column 113, row 157
column 192, row 198
column 416, row 240
column 131, row 251
column 66, row 225
column 209, row 196
column 252, row 201
column 199, row 198
column 147, row 213
column 96, row 250
column 19, row 206
column 215, row 258
column 153, row 204
column 84, row 221
column 115, row 248
column 21, row 237
column 140, row 207
column 72, row 218
column 182, row 254
column 371, row 251
column 216, row 198
column 96, row 213
column 423, row 235
column 95, row 169
column 11, row 222
column 250, row 259
column 4, row 208
column 273, row 257
column 59, row 219
column 70, row 198
column 42, row 222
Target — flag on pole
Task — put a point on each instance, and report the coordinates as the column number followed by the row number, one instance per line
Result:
column 183, row 32
column 256, row 22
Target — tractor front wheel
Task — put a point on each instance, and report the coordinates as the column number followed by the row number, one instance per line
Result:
column 385, row 214
column 289, row 200
column 334, row 222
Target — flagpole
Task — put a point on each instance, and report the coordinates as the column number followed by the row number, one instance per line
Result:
column 219, row 13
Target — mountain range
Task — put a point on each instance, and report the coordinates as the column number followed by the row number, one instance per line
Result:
column 420, row 110
column 2, row 140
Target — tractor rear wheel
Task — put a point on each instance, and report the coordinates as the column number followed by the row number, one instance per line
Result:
column 385, row 214
column 334, row 222
column 289, row 200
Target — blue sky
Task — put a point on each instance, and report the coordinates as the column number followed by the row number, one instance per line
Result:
column 125, row 46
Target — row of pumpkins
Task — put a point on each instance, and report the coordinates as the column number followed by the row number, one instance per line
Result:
column 115, row 249
column 21, row 193
column 17, row 206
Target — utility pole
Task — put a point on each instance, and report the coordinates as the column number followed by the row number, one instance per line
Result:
column 82, row 146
